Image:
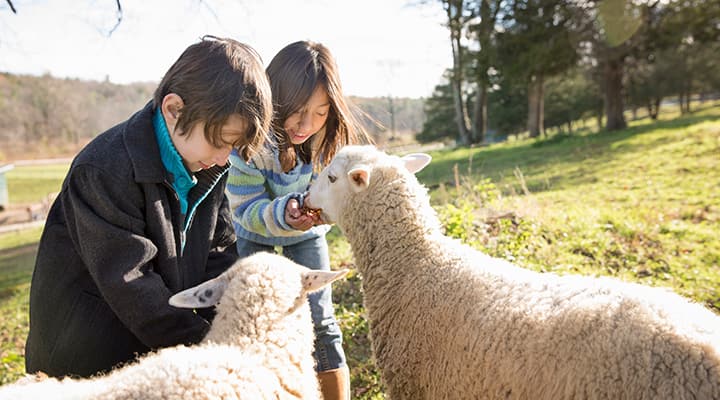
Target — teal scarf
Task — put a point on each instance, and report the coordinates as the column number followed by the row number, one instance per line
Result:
column 182, row 180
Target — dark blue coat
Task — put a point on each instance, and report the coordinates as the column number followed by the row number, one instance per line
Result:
column 110, row 256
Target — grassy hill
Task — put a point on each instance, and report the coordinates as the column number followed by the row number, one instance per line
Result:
column 642, row 204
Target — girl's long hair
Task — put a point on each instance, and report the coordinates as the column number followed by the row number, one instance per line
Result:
column 294, row 73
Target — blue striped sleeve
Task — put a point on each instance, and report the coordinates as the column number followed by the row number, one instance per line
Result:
column 250, row 202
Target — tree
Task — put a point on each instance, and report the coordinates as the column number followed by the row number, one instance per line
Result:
column 536, row 45
column 507, row 104
column 439, row 114
column 620, row 30
column 686, row 38
column 12, row 7
column 571, row 96
column 485, row 14
column 457, row 19
column 110, row 32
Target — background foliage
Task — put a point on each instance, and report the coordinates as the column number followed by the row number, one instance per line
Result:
column 524, row 66
column 51, row 117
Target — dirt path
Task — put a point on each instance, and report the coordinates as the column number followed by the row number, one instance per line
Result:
column 20, row 226
column 19, row 251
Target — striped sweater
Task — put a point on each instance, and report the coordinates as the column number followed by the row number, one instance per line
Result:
column 258, row 192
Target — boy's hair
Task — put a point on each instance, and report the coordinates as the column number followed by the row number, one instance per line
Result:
column 216, row 78
column 294, row 73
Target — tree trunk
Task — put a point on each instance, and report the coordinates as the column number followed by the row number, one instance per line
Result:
column 480, row 113
column 535, row 106
column 681, row 100
column 454, row 14
column 688, row 95
column 613, row 76
column 654, row 108
column 460, row 114
column 484, row 37
column 391, row 109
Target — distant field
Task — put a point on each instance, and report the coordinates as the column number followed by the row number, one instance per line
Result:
column 33, row 183
column 642, row 204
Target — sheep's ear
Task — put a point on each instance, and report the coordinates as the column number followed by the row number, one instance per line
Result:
column 206, row 294
column 359, row 177
column 416, row 161
column 315, row 280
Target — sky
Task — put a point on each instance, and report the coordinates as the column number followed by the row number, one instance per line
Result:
column 396, row 48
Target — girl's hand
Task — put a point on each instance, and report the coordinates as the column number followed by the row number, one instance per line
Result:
column 315, row 213
column 295, row 217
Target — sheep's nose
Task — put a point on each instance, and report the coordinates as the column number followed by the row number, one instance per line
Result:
column 306, row 201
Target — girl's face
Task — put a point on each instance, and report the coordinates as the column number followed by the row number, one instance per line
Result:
column 309, row 119
column 197, row 153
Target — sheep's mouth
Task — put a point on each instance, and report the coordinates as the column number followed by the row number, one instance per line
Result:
column 313, row 212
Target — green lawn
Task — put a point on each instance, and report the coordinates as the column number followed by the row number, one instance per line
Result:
column 33, row 183
column 642, row 204
column 17, row 257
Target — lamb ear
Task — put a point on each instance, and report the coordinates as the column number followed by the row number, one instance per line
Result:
column 416, row 161
column 359, row 177
column 206, row 294
column 315, row 280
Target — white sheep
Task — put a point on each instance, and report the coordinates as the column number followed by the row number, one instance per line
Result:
column 259, row 345
column 449, row 322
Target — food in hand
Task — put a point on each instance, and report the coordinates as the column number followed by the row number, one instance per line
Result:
column 313, row 212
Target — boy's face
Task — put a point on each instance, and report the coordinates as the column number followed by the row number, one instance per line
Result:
column 197, row 153
column 307, row 121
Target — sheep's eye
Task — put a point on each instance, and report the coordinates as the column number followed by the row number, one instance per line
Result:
column 332, row 178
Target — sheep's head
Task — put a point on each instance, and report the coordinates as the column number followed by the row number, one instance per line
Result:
column 263, row 285
column 351, row 172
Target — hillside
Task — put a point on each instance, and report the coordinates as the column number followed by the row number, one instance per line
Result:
column 47, row 117
column 641, row 204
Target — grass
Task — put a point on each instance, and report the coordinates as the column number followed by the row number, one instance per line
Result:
column 17, row 257
column 641, row 204
column 33, row 183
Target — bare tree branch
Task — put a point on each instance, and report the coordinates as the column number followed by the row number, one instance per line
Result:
column 210, row 9
column 12, row 7
column 119, row 18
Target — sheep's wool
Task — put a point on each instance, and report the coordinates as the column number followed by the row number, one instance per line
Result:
column 259, row 345
column 449, row 322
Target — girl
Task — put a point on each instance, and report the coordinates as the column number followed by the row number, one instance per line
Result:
column 311, row 122
column 142, row 215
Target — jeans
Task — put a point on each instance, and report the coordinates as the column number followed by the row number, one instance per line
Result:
column 312, row 253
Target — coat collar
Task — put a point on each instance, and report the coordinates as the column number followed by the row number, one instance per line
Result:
column 142, row 147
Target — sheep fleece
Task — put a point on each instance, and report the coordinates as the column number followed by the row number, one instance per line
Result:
column 259, row 346
column 449, row 322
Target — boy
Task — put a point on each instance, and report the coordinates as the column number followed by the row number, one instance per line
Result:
column 142, row 215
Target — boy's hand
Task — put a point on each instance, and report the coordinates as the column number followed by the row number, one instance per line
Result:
column 295, row 217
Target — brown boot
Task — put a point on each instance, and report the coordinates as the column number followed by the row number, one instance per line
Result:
column 335, row 384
